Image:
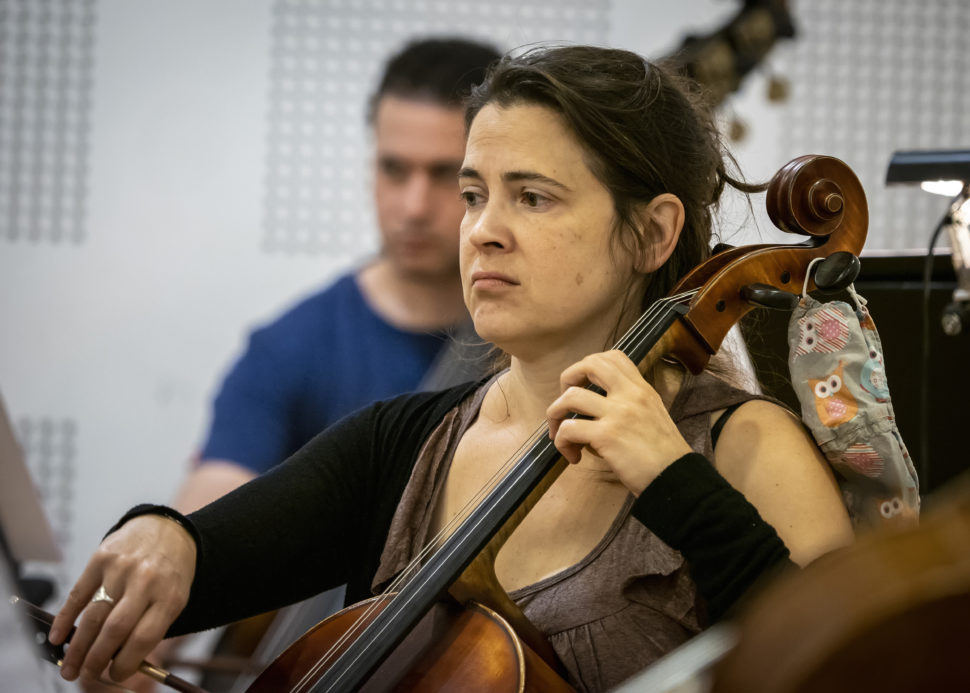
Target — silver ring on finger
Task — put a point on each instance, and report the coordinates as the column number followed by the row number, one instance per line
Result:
column 102, row 596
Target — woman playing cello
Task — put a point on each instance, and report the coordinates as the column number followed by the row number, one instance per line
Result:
column 589, row 178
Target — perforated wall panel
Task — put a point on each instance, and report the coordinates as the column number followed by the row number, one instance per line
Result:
column 45, row 102
column 870, row 77
column 50, row 450
column 326, row 58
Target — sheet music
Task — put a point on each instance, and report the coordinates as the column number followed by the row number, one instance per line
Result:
column 23, row 522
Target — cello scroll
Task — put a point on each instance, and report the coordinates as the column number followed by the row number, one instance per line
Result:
column 817, row 196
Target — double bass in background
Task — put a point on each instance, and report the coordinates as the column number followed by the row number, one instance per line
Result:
column 561, row 249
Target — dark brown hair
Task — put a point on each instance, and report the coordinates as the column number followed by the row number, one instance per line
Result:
column 439, row 70
column 645, row 131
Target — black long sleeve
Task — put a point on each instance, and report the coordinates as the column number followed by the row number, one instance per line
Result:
column 316, row 521
column 724, row 540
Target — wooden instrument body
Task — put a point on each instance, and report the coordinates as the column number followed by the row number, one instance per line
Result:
column 452, row 649
column 889, row 613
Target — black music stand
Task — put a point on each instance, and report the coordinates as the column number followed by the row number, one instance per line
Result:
column 25, row 535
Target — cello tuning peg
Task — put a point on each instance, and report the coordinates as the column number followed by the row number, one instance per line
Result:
column 836, row 272
column 768, row 296
column 737, row 129
column 778, row 88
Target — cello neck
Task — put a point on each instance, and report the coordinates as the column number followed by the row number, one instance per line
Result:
column 480, row 526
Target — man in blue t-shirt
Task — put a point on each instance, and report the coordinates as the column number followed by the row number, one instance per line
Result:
column 389, row 327
column 377, row 331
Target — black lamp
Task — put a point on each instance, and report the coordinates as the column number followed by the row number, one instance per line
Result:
column 944, row 172
column 949, row 166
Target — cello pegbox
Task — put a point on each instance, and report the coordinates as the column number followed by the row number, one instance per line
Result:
column 767, row 296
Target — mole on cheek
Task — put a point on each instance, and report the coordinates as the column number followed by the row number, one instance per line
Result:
column 579, row 279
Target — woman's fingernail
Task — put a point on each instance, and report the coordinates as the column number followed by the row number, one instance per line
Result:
column 69, row 673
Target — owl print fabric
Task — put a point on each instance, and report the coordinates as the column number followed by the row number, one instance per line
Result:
column 839, row 377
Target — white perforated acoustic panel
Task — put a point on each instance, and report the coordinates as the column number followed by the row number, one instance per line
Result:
column 870, row 77
column 326, row 59
column 45, row 102
column 50, row 451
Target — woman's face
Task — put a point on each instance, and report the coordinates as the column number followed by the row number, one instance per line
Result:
column 536, row 265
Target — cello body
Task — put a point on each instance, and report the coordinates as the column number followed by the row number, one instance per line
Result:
column 451, row 649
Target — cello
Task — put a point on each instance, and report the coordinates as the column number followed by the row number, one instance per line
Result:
column 358, row 647
column 391, row 641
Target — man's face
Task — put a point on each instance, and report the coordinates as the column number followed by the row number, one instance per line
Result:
column 420, row 147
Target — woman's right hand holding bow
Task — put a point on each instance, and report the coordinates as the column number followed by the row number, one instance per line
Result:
column 133, row 588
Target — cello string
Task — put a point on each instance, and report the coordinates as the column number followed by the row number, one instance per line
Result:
column 629, row 340
column 408, row 571
column 415, row 564
column 634, row 337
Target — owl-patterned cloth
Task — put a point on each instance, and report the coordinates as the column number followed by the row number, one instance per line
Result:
column 839, row 377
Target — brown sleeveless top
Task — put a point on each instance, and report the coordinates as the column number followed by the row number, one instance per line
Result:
column 628, row 602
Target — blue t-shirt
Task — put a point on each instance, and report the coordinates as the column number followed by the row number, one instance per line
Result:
column 326, row 357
